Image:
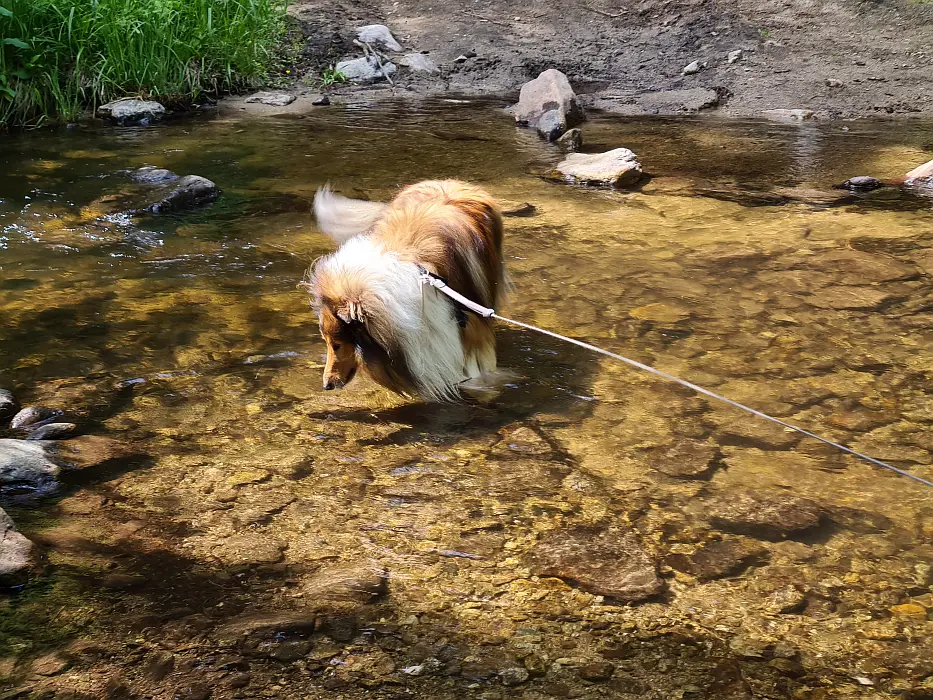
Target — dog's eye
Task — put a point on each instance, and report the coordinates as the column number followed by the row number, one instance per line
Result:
column 336, row 347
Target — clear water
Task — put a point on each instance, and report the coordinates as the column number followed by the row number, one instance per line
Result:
column 737, row 267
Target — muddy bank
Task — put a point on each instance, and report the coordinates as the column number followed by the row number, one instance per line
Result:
column 839, row 59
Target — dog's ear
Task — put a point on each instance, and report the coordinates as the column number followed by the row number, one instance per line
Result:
column 341, row 218
column 351, row 312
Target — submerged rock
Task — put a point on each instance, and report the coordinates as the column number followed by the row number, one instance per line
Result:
column 151, row 175
column 272, row 99
column 15, row 553
column 33, row 416
column 572, row 140
column 770, row 515
column 618, row 167
column 53, row 431
column 549, row 98
column 269, row 624
column 612, row 563
column 26, row 465
column 365, row 69
column 719, row 559
column 378, row 35
column 185, row 193
column 8, row 404
column 360, row 583
column 686, row 459
column 130, row 112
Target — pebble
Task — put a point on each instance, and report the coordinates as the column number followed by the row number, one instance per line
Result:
column 510, row 677
column 734, row 56
column 691, row 68
column 32, row 416
column 53, row 431
column 597, row 672
column 272, row 99
column 719, row 559
column 322, row 101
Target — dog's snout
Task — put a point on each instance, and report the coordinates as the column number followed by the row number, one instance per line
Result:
column 328, row 386
column 331, row 383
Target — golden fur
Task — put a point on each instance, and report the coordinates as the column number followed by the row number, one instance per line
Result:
column 366, row 293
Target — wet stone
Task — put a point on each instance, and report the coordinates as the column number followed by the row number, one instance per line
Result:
column 859, row 421
column 685, row 459
column 53, row 431
column 513, row 676
column 272, row 99
column 15, row 553
column 249, row 549
column 617, row 168
column 752, row 432
column 131, row 112
column 151, row 175
column 268, row 624
column 597, row 672
column 8, row 404
column 361, row 583
column 720, row 559
column 185, row 193
column 524, row 440
column 612, row 563
column 852, row 298
column 33, row 415
column 26, row 465
column 86, row 451
column 788, row 599
column 770, row 515
column 50, row 665
column 660, row 313
column 289, row 651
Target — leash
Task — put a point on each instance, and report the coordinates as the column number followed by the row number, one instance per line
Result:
column 433, row 280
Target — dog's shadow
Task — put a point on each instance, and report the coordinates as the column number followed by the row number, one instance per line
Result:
column 542, row 376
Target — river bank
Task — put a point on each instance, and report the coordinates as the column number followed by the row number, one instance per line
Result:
column 838, row 60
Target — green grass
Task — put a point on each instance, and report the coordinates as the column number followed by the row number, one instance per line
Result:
column 59, row 57
column 332, row 76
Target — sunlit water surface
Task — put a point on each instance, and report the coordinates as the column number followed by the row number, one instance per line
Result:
column 737, row 267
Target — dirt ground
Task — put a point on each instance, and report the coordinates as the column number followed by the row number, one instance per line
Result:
column 840, row 59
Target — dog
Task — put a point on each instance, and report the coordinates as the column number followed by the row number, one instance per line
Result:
column 373, row 311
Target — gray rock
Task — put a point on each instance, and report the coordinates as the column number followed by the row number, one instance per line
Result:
column 597, row 672
column 572, row 140
column 322, row 101
column 8, row 404
column 53, row 431
column 15, row 552
column 833, row 83
column 618, row 167
column 150, row 175
column 789, row 115
column 185, row 193
column 691, row 68
column 378, row 35
column 861, row 183
column 419, row 63
column 130, row 112
column 734, row 56
column 518, row 209
column 365, row 69
column 33, row 416
column 511, row 677
column 26, row 465
column 612, row 563
column 273, row 99
column 668, row 101
column 551, row 125
column 548, row 92
column 770, row 515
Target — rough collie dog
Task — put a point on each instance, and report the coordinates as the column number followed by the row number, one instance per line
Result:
column 373, row 310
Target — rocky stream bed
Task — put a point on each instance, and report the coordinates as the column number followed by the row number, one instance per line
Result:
column 220, row 527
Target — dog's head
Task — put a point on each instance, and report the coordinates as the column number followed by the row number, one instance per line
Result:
column 342, row 336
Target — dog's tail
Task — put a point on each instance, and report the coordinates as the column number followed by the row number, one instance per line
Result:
column 342, row 218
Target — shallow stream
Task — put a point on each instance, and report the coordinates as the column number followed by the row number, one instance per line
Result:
column 589, row 532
